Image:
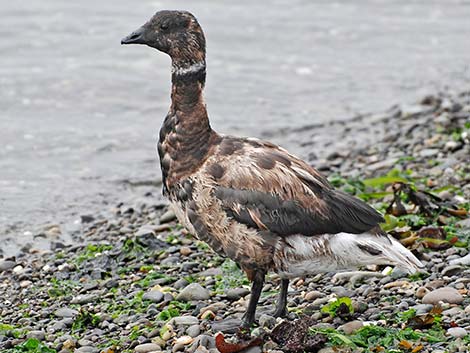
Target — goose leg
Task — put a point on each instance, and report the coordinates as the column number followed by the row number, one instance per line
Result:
column 281, row 305
column 256, row 288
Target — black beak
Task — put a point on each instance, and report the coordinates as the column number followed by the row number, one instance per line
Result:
column 136, row 37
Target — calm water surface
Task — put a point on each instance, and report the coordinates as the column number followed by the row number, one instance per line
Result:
column 79, row 113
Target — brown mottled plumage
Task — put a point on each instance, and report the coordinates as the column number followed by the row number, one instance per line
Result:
column 248, row 199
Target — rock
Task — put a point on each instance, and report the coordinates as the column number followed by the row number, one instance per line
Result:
column 181, row 283
column 184, row 320
column 351, row 327
column 193, row 330
column 86, row 349
column 18, row 269
column 267, row 321
column 167, row 217
column 422, row 308
column 65, row 312
column 86, row 218
column 452, row 270
column 421, row 292
column 342, row 292
column 429, row 152
column 6, row 265
column 147, row 347
column 39, row 335
column 69, row 343
column 236, row 293
column 84, row 299
column 205, row 341
column 211, row 272
column 194, row 291
column 185, row 250
column 465, row 261
column 155, row 296
column 145, row 230
column 314, row 294
column 445, row 294
column 457, row 332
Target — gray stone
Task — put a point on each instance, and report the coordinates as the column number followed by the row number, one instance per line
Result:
column 84, row 299
column 205, row 341
column 236, row 293
column 154, row 296
column 446, row 294
column 145, row 230
column 147, row 347
column 6, row 265
column 184, row 320
column 267, row 321
column 181, row 283
column 65, row 312
column 168, row 216
column 429, row 152
column 314, row 294
column 87, row 349
column 39, row 335
column 457, row 332
column 452, row 270
column 422, row 308
column 342, row 292
column 351, row 327
column 211, row 272
column 193, row 330
column 194, row 291
column 461, row 261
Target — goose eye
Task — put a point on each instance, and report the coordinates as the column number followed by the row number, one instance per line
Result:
column 164, row 26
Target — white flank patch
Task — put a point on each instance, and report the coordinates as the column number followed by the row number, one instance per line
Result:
column 188, row 70
column 326, row 253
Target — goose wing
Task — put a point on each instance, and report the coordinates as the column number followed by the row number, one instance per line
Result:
column 263, row 186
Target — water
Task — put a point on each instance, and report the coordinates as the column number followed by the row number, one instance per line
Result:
column 80, row 113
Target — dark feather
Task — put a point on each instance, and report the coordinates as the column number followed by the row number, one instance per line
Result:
column 341, row 213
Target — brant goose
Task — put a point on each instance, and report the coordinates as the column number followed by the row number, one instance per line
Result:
column 251, row 200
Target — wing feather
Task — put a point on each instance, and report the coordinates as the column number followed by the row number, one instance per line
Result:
column 265, row 187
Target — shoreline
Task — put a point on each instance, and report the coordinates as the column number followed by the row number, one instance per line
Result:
column 135, row 281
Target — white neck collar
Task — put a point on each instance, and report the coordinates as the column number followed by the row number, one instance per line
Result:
column 189, row 69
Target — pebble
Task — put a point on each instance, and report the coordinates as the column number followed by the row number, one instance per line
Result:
column 457, row 332
column 147, row 347
column 445, row 294
column 193, row 291
column 193, row 330
column 267, row 321
column 155, row 296
column 422, row 308
column 84, row 299
column 185, row 251
column 6, row 265
column 168, row 216
column 236, row 293
column 421, row 292
column 452, row 270
column 351, row 327
column 18, row 269
column 86, row 349
column 314, row 294
column 39, row 335
column 461, row 261
column 184, row 320
column 65, row 312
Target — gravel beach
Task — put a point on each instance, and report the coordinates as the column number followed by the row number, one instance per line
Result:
column 137, row 282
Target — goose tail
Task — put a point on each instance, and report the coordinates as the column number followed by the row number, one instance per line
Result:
column 373, row 249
